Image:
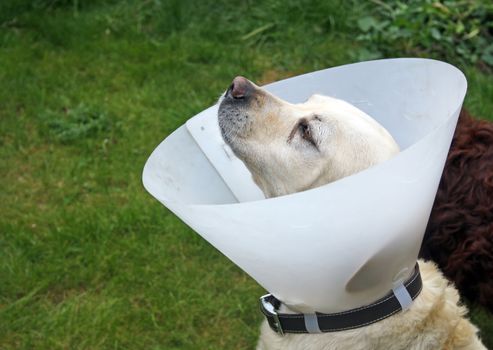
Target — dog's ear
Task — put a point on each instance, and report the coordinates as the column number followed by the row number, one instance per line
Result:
column 316, row 98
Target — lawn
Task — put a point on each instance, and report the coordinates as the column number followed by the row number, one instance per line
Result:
column 88, row 260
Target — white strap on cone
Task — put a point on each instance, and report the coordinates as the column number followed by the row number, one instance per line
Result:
column 402, row 296
column 311, row 323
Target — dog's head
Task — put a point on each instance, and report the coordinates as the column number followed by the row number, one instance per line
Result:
column 293, row 147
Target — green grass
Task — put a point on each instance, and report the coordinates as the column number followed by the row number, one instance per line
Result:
column 88, row 260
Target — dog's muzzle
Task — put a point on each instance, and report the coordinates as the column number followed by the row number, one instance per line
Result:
column 400, row 298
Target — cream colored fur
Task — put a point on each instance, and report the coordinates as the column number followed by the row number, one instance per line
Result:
column 264, row 132
column 270, row 136
column 434, row 321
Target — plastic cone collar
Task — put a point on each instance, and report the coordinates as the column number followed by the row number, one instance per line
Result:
column 335, row 247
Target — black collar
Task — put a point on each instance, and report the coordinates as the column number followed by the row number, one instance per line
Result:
column 398, row 299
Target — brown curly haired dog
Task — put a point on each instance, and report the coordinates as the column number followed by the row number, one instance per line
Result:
column 459, row 236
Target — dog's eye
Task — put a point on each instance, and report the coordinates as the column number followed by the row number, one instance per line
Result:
column 306, row 132
column 303, row 129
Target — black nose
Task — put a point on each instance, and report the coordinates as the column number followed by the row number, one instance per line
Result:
column 240, row 87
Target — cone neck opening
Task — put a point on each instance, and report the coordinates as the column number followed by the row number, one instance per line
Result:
column 399, row 299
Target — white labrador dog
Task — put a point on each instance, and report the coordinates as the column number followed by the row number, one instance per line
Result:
column 294, row 147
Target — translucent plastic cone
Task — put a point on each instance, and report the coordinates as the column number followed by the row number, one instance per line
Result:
column 338, row 246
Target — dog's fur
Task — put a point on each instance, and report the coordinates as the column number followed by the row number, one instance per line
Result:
column 435, row 321
column 459, row 236
column 290, row 148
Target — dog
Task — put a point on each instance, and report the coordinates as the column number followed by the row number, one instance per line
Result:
column 459, row 235
column 295, row 147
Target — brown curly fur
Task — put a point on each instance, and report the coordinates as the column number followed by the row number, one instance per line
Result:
column 459, row 236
